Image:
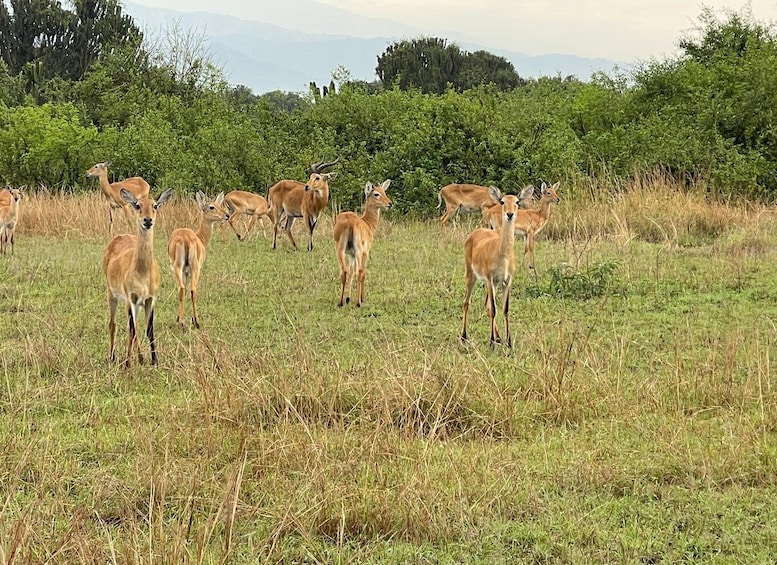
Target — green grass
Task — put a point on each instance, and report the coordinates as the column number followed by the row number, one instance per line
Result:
column 637, row 425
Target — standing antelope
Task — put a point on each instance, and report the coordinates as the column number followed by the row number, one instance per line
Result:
column 186, row 249
column 489, row 256
column 353, row 238
column 467, row 197
column 9, row 217
column 112, row 190
column 133, row 274
column 241, row 202
column 294, row 199
column 529, row 223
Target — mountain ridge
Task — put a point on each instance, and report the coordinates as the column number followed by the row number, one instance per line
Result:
column 267, row 57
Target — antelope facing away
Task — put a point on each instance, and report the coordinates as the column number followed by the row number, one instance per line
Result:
column 133, row 274
column 136, row 185
column 9, row 217
column 240, row 202
column 294, row 199
column 489, row 256
column 467, row 197
column 529, row 223
column 186, row 249
column 353, row 238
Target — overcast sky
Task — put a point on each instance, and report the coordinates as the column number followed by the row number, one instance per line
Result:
column 621, row 30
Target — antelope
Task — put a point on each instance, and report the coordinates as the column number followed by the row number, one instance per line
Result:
column 112, row 190
column 133, row 274
column 9, row 217
column 529, row 223
column 294, row 199
column 240, row 202
column 467, row 197
column 493, row 215
column 353, row 238
column 489, row 256
column 186, row 249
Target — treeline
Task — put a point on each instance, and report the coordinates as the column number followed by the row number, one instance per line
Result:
column 705, row 117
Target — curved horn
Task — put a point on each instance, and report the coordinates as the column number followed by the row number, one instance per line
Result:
column 321, row 166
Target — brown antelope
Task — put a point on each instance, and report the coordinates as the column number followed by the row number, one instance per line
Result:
column 292, row 199
column 467, row 197
column 240, row 202
column 353, row 238
column 489, row 256
column 9, row 217
column 112, row 190
column 493, row 215
column 133, row 274
column 529, row 223
column 186, row 249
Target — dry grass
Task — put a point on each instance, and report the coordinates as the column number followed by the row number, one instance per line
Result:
column 636, row 427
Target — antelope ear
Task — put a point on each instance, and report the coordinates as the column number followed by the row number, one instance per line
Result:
column 386, row 184
column 128, row 197
column 556, row 185
column 527, row 192
column 220, row 198
column 495, row 193
column 201, row 200
column 164, row 197
column 330, row 176
column 368, row 188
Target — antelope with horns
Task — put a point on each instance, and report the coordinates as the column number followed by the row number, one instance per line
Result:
column 240, row 202
column 133, row 274
column 467, row 197
column 529, row 223
column 489, row 256
column 9, row 217
column 353, row 238
column 112, row 191
column 186, row 249
column 292, row 199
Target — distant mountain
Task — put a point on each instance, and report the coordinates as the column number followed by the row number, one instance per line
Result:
column 265, row 56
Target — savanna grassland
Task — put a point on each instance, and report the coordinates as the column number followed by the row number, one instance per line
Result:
column 633, row 421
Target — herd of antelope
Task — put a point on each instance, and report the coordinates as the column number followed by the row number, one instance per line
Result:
column 132, row 273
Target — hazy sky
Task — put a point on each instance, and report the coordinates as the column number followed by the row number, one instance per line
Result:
column 622, row 30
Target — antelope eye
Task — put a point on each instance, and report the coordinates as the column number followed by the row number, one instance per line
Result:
column 212, row 207
column 376, row 195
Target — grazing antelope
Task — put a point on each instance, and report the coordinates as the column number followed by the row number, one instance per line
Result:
column 112, row 190
column 467, row 197
column 186, row 249
column 133, row 274
column 353, row 238
column 529, row 223
column 9, row 217
column 489, row 256
column 292, row 199
column 493, row 215
column 240, row 202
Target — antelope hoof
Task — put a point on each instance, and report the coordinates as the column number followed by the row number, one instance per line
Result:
column 348, row 300
column 196, row 324
column 239, row 237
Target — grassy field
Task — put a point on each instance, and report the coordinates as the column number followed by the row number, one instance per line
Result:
column 633, row 421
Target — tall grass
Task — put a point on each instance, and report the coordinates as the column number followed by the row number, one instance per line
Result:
column 632, row 424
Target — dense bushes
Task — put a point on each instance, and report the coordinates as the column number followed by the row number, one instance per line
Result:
column 704, row 117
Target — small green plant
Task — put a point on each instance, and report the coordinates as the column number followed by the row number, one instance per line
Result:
column 567, row 282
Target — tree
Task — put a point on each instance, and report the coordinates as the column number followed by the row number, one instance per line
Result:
column 428, row 63
column 52, row 41
column 432, row 65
